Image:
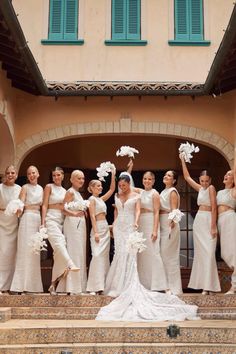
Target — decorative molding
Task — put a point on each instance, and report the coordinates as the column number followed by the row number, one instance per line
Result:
column 124, row 125
column 85, row 88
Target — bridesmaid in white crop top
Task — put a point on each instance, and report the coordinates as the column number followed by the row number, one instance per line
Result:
column 226, row 202
column 150, row 265
column 99, row 236
column 204, row 274
column 170, row 234
column 52, row 219
column 27, row 275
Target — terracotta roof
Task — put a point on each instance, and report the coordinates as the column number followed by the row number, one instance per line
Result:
column 24, row 73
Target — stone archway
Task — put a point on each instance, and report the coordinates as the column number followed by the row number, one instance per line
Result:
column 6, row 145
column 125, row 126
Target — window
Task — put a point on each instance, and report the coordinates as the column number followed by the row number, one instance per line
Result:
column 63, row 22
column 189, row 23
column 126, row 19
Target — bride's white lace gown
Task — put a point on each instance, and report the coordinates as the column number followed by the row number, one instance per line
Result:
column 134, row 302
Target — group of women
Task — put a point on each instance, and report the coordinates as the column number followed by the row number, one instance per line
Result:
column 136, row 209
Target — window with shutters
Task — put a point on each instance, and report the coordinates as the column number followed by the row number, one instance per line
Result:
column 63, row 22
column 189, row 22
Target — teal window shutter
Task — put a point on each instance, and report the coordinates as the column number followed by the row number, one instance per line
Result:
column 196, row 20
column 71, row 19
column 189, row 20
column 133, row 19
column 118, row 19
column 63, row 20
column 56, row 19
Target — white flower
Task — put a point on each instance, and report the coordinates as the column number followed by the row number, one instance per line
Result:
column 136, row 242
column 13, row 206
column 79, row 205
column 126, row 151
column 186, row 151
column 175, row 215
column 37, row 242
column 104, row 169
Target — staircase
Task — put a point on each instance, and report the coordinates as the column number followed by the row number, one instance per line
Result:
column 44, row 324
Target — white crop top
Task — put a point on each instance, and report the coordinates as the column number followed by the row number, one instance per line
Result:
column 77, row 195
column 224, row 197
column 57, row 194
column 203, row 197
column 165, row 198
column 147, row 199
column 34, row 194
column 8, row 193
column 100, row 205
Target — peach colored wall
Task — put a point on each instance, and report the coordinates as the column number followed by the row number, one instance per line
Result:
column 94, row 61
column 35, row 114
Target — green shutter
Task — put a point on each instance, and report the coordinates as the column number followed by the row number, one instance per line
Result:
column 56, row 19
column 196, row 20
column 133, row 19
column 71, row 19
column 181, row 20
column 118, row 19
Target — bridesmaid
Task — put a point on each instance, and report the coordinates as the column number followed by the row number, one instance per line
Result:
column 170, row 234
column 150, row 266
column 226, row 201
column 100, row 235
column 204, row 273
column 8, row 229
column 75, row 234
column 27, row 276
column 52, row 219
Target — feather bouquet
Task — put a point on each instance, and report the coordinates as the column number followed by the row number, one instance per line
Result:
column 186, row 151
column 13, row 206
column 104, row 169
column 79, row 205
column 136, row 243
column 37, row 242
column 175, row 215
column 126, row 151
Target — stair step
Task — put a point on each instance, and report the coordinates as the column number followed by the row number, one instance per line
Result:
column 85, row 331
column 119, row 348
column 5, row 314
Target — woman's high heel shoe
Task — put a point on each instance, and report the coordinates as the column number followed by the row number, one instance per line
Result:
column 52, row 290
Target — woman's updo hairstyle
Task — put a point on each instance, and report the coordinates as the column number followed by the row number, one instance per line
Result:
column 124, row 177
column 205, row 173
column 175, row 176
column 92, row 184
column 57, row 168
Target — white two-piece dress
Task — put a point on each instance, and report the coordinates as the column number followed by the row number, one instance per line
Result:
column 54, row 224
column 76, row 237
column 27, row 275
column 134, row 302
column 227, row 230
column 150, row 266
column 99, row 264
column 204, row 273
column 8, row 236
column 170, row 244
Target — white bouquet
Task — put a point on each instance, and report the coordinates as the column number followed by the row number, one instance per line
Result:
column 37, row 242
column 136, row 243
column 13, row 206
column 126, row 151
column 175, row 215
column 79, row 205
column 186, row 151
column 104, row 169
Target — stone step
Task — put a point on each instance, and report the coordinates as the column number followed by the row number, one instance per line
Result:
column 46, row 300
column 89, row 313
column 5, row 314
column 119, row 348
column 18, row 332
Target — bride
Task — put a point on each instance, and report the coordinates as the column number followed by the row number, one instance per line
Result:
column 133, row 302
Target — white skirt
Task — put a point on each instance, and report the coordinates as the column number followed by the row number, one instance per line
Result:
column 227, row 230
column 204, row 274
column 8, row 242
column 61, row 258
column 170, row 251
column 150, row 265
column 75, row 234
column 27, row 275
column 99, row 264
